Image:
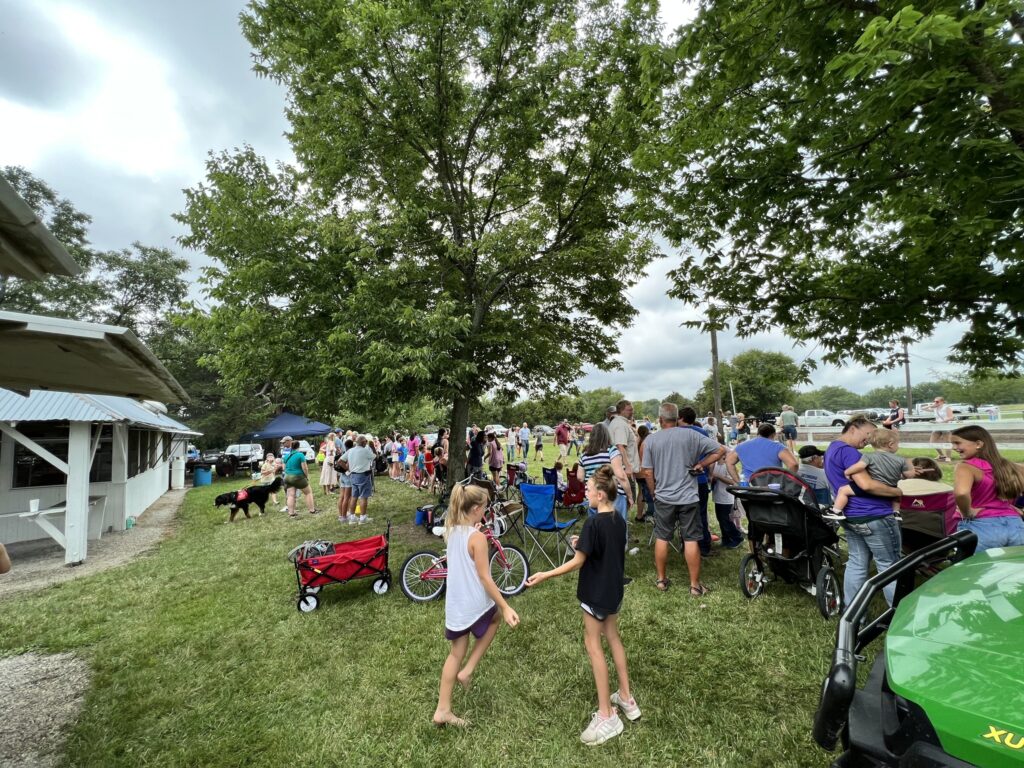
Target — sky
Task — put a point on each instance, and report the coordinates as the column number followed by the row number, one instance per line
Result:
column 117, row 103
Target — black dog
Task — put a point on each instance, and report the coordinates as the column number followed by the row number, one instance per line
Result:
column 240, row 500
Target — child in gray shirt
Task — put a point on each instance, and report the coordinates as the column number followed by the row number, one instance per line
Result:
column 882, row 465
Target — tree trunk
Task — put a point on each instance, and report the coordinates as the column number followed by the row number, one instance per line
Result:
column 457, row 440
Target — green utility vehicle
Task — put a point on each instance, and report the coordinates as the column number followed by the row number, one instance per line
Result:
column 948, row 689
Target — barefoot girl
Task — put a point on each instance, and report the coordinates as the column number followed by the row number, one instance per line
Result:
column 600, row 558
column 472, row 600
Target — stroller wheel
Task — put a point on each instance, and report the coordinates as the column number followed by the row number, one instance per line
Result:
column 752, row 576
column 827, row 592
column 380, row 586
column 308, row 603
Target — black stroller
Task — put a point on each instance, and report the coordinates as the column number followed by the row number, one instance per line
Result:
column 789, row 539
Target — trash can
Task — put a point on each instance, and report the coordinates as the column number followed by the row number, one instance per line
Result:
column 201, row 475
column 177, row 473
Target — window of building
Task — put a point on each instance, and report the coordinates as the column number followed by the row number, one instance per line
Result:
column 32, row 471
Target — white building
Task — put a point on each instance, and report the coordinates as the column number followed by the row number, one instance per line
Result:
column 117, row 450
column 79, row 452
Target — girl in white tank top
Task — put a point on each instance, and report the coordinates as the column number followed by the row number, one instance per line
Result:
column 472, row 600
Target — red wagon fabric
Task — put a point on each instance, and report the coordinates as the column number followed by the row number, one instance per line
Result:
column 351, row 560
column 344, row 561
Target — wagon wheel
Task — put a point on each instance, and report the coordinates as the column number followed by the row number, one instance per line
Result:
column 510, row 577
column 381, row 585
column 416, row 582
column 752, row 576
column 308, row 603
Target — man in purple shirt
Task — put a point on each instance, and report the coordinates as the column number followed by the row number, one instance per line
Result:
column 871, row 529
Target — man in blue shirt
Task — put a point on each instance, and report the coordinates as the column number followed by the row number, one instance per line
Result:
column 871, row 529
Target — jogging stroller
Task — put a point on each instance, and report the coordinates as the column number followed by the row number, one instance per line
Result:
column 789, row 539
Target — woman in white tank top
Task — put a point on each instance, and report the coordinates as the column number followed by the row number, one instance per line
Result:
column 472, row 599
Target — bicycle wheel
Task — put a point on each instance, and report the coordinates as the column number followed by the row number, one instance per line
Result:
column 416, row 582
column 510, row 576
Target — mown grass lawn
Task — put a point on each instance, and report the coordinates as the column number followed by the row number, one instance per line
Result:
column 201, row 659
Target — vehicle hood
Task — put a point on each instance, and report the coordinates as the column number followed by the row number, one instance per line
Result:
column 955, row 647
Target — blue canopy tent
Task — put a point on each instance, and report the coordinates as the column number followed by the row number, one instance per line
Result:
column 288, row 424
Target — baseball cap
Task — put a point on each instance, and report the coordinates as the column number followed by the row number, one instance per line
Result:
column 809, row 452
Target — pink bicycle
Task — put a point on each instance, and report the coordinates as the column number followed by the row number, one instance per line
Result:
column 424, row 574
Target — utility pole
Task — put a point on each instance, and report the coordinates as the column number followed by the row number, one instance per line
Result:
column 906, row 372
column 715, row 385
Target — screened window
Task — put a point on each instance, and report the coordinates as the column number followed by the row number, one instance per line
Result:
column 31, row 471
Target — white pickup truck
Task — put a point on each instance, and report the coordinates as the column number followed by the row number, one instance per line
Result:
column 822, row 418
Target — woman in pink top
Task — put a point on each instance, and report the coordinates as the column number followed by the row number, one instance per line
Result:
column 986, row 485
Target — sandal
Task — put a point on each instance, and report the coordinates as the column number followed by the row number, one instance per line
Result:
column 293, row 515
column 699, row 591
column 663, row 584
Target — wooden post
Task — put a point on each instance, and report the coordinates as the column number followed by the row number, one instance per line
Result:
column 76, row 516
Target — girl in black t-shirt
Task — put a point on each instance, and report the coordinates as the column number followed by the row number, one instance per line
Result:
column 600, row 559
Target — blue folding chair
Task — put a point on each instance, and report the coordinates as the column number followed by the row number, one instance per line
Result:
column 551, row 478
column 542, row 526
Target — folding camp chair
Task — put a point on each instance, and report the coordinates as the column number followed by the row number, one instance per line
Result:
column 574, row 497
column 541, row 524
column 551, row 478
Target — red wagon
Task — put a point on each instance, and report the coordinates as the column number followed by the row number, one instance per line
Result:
column 340, row 563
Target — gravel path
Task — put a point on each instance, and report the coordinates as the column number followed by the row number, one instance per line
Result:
column 39, row 700
column 40, row 695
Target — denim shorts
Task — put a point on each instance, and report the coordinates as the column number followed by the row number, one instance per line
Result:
column 362, row 485
column 994, row 532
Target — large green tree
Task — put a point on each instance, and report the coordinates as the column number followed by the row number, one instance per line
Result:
column 460, row 220
column 761, row 381
column 852, row 171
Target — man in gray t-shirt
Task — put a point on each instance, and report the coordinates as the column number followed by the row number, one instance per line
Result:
column 669, row 455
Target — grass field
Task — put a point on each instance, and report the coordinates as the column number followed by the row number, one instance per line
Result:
column 200, row 658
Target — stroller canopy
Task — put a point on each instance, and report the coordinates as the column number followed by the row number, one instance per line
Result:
column 788, row 483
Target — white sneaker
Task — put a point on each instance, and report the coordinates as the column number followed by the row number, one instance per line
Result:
column 351, row 519
column 284, row 509
column 629, row 708
column 601, row 729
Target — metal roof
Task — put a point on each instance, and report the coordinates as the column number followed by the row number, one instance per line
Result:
column 75, row 406
column 71, row 356
column 27, row 248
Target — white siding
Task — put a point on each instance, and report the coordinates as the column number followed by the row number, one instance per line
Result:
column 129, row 499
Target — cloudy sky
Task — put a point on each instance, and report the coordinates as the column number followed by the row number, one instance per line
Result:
column 116, row 104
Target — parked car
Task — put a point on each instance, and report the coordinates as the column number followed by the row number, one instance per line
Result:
column 586, row 427
column 543, row 429
column 245, row 453
column 819, row 417
column 497, row 429
column 210, row 455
